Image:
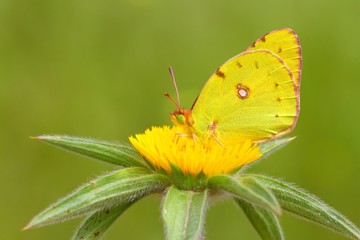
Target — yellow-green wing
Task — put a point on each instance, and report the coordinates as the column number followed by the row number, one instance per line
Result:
column 252, row 95
column 285, row 44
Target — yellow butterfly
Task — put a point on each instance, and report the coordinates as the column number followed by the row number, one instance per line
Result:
column 254, row 95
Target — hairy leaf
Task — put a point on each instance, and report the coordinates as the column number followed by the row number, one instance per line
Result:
column 302, row 204
column 107, row 191
column 269, row 147
column 120, row 154
column 247, row 188
column 264, row 221
column 183, row 213
column 97, row 223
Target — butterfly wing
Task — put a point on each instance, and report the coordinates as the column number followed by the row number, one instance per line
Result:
column 253, row 95
column 285, row 44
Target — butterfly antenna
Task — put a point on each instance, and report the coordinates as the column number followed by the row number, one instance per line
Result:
column 178, row 105
column 174, row 82
column 168, row 96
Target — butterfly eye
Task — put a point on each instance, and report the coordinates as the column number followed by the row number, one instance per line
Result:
column 242, row 91
column 180, row 118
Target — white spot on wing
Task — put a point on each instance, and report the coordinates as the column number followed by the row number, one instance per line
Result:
column 243, row 93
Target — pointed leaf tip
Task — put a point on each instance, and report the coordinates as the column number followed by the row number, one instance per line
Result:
column 112, row 189
column 122, row 155
column 269, row 147
column 44, row 137
column 27, row 227
column 35, row 138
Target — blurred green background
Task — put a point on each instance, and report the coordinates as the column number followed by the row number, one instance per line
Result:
column 99, row 69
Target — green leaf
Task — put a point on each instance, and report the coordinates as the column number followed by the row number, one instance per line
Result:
column 264, row 221
column 107, row 191
column 120, row 154
column 302, row 204
column 269, row 147
column 183, row 213
column 97, row 223
column 247, row 188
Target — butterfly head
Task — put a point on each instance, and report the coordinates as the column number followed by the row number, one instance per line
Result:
column 181, row 117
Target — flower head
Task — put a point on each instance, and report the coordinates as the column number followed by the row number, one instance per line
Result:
column 163, row 148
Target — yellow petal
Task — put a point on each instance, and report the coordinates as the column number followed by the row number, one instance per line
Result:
column 163, row 146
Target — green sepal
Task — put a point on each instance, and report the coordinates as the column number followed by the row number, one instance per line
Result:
column 246, row 188
column 302, row 204
column 119, row 154
column 184, row 213
column 187, row 181
column 96, row 224
column 107, row 191
column 264, row 221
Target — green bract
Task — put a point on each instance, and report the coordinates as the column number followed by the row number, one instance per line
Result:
column 104, row 199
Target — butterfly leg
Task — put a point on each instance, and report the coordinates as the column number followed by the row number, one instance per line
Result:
column 194, row 138
column 216, row 139
column 179, row 135
column 212, row 128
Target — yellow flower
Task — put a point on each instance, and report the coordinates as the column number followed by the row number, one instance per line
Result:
column 163, row 147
